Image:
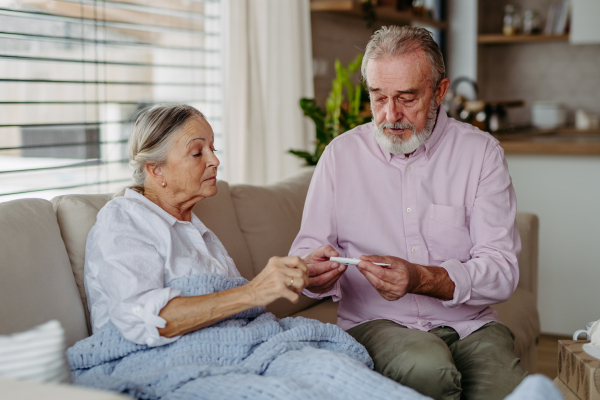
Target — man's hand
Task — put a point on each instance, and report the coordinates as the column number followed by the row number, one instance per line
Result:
column 322, row 273
column 403, row 277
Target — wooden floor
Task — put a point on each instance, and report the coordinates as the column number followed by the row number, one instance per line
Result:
column 547, row 356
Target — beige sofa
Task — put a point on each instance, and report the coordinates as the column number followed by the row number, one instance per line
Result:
column 42, row 254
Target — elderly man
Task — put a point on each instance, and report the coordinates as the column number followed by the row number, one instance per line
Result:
column 432, row 197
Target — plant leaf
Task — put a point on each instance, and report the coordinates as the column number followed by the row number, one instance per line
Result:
column 309, row 158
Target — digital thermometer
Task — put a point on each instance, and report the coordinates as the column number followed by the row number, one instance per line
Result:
column 353, row 261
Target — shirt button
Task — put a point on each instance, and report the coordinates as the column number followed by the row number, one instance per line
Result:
column 414, row 249
column 408, row 168
column 428, row 154
column 422, row 323
column 408, row 209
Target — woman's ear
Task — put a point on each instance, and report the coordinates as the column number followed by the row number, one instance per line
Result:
column 155, row 171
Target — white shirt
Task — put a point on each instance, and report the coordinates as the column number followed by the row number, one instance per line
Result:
column 132, row 252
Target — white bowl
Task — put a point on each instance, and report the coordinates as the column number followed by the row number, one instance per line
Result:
column 548, row 115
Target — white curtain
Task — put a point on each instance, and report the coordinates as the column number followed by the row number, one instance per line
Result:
column 267, row 69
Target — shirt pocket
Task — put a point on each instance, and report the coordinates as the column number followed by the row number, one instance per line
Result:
column 448, row 236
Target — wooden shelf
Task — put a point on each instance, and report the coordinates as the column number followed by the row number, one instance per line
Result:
column 503, row 39
column 384, row 14
column 560, row 142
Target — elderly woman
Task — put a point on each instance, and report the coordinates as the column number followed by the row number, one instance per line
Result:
column 150, row 236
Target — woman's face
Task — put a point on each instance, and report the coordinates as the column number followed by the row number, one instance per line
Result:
column 190, row 172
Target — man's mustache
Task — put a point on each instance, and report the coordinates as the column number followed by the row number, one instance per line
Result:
column 397, row 125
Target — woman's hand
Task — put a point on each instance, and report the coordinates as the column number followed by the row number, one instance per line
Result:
column 283, row 277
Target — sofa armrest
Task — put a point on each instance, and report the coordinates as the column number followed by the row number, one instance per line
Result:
column 528, row 225
column 26, row 390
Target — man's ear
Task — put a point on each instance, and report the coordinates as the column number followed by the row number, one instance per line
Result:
column 441, row 90
column 155, row 171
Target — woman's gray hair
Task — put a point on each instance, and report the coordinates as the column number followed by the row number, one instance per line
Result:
column 152, row 134
column 394, row 41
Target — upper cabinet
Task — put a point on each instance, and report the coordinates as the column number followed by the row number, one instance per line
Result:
column 386, row 14
column 585, row 24
column 582, row 17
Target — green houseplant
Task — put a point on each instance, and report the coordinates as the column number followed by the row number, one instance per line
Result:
column 345, row 108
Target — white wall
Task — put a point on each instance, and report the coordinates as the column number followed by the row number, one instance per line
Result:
column 564, row 192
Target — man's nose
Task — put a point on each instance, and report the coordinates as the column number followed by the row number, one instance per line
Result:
column 393, row 112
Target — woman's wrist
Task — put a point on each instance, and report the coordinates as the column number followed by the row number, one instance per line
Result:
column 250, row 295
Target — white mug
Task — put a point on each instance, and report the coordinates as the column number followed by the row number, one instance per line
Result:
column 588, row 334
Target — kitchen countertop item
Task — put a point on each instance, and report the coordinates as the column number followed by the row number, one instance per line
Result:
column 548, row 114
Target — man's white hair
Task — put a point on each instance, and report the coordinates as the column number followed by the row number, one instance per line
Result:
column 395, row 41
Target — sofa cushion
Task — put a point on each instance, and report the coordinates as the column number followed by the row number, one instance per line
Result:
column 76, row 214
column 528, row 225
column 324, row 311
column 520, row 315
column 218, row 214
column 34, row 257
column 269, row 218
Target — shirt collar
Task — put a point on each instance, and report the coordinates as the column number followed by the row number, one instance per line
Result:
column 171, row 220
column 440, row 127
column 430, row 144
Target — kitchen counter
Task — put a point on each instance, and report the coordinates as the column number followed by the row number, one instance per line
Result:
column 563, row 141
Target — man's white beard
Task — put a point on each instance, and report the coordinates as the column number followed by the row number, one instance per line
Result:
column 394, row 143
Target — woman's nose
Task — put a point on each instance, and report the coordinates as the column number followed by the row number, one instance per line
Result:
column 213, row 161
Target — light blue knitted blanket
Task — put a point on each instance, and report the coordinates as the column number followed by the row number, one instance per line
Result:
column 252, row 355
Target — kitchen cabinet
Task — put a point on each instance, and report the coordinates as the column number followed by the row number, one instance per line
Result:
column 585, row 28
column 533, row 68
column 384, row 14
column 498, row 38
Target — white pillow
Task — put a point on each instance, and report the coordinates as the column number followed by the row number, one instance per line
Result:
column 37, row 354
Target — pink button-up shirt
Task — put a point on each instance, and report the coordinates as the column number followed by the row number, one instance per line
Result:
column 450, row 204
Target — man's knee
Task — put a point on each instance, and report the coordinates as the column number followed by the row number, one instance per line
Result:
column 416, row 359
column 489, row 367
column 426, row 367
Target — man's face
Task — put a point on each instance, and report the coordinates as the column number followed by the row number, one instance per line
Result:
column 401, row 92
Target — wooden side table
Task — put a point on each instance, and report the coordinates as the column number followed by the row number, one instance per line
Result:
column 566, row 392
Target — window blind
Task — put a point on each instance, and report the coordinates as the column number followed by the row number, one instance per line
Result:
column 74, row 73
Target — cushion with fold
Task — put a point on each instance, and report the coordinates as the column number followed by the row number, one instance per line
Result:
column 218, row 214
column 528, row 225
column 36, row 281
column 324, row 311
column 37, row 354
column 521, row 316
column 76, row 214
column 269, row 218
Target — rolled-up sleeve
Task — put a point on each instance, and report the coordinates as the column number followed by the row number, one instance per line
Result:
column 318, row 219
column 127, row 267
column 491, row 275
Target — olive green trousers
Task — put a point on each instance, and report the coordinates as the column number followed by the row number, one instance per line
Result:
column 440, row 365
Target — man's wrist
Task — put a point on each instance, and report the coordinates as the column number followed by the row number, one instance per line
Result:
column 431, row 281
column 417, row 278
